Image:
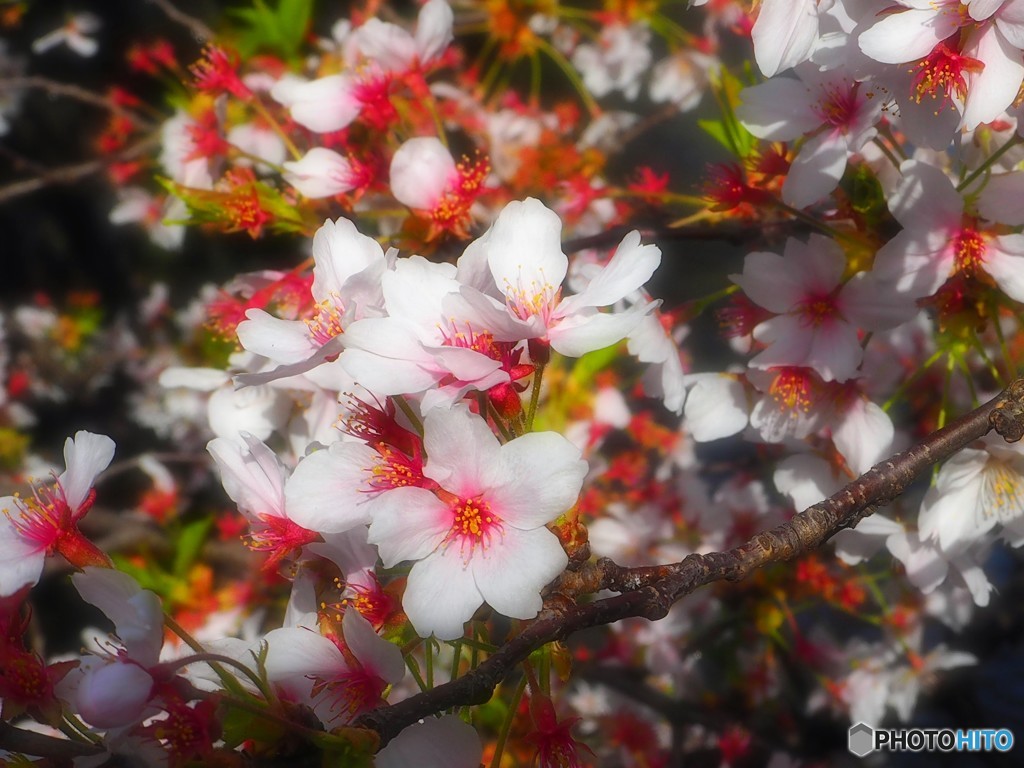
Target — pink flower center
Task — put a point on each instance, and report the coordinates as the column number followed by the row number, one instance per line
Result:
column 278, row 537
column 792, row 390
column 533, row 300
column 370, row 600
column 451, row 211
column 478, row 341
column 395, row 470
column 352, row 692
column 325, row 324
column 940, row 75
column 839, row 105
column 43, row 518
column 473, row 524
column 818, row 309
column 373, row 92
column 968, row 251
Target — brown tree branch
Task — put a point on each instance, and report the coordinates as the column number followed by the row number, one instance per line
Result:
column 199, row 30
column 25, row 742
column 68, row 174
column 650, row 592
column 71, row 91
column 735, row 234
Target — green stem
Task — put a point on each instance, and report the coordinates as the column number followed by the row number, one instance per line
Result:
column 901, row 390
column 886, row 130
column 665, row 197
column 966, row 370
column 429, row 657
column 488, row 408
column 479, row 645
column 76, row 730
column 227, row 679
column 506, row 727
column 266, row 115
column 410, row 414
column 814, row 223
column 538, row 377
column 544, row 671
column 571, row 74
column 211, row 658
column 456, row 658
column 1010, row 143
column 534, row 78
column 290, row 725
column 886, row 151
column 1004, row 348
column 699, row 305
column 992, row 369
column 410, row 662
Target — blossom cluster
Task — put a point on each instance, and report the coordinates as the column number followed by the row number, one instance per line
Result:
column 469, row 378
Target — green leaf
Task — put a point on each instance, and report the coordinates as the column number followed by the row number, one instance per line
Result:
column 293, row 22
column 592, row 363
column 239, row 725
column 281, row 29
column 716, row 130
column 728, row 130
column 190, row 542
column 150, row 576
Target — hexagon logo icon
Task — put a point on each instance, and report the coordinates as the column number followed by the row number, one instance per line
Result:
column 860, row 740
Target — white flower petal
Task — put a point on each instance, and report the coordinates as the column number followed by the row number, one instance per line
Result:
column 441, row 596
column 408, row 524
column 327, row 492
column 541, row 475
column 376, row 654
column 85, row 457
column 445, row 742
column 421, row 171
column 510, row 575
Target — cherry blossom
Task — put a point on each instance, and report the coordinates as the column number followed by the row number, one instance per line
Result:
column 480, row 536
column 682, row 78
column 784, row 34
column 425, row 343
column 393, row 49
column 346, row 286
column 324, row 105
column 819, row 315
column 971, row 52
column 974, row 491
column 255, row 479
column 425, row 177
column 178, row 153
column 321, row 173
column 835, row 112
column 617, row 61
column 650, row 342
column 716, row 406
column 941, row 238
column 112, row 690
column 520, row 259
column 75, row 34
column 338, row 683
column 47, row 523
column 259, row 410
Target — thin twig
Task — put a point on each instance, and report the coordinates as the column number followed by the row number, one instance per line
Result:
column 71, row 91
column 736, row 235
column 197, row 27
column 67, row 174
column 25, row 742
